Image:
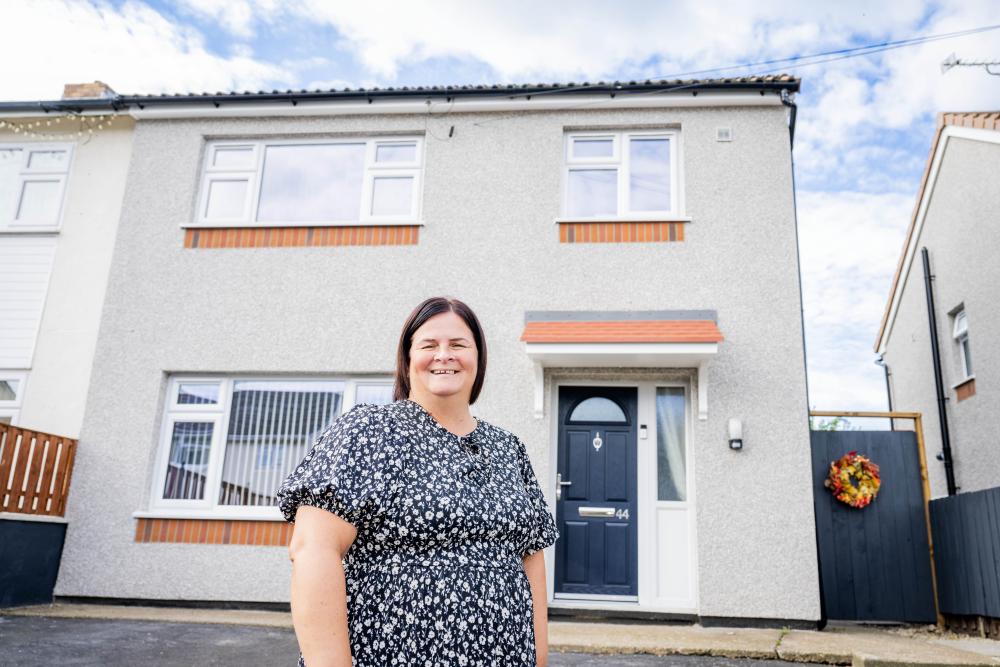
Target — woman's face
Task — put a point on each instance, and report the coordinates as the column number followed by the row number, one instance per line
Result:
column 443, row 358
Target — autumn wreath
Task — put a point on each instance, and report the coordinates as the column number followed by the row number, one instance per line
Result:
column 853, row 479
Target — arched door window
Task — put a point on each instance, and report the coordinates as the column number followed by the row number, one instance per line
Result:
column 598, row 409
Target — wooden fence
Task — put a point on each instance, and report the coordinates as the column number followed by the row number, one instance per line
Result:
column 35, row 471
column 967, row 551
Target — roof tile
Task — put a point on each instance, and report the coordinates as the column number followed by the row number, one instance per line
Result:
column 625, row 331
column 650, row 83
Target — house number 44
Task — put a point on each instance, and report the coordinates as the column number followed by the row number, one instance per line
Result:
column 621, row 514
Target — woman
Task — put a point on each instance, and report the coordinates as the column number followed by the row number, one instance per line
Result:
column 438, row 518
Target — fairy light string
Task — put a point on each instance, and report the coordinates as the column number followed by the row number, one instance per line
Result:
column 62, row 127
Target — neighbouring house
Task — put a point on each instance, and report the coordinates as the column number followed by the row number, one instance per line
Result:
column 630, row 249
column 62, row 177
column 936, row 337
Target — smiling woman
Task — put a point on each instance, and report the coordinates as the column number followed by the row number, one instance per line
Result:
column 447, row 327
column 430, row 545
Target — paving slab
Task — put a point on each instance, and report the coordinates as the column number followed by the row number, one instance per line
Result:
column 612, row 638
column 872, row 649
column 989, row 647
column 269, row 619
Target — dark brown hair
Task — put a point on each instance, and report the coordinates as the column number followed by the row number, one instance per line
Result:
column 426, row 310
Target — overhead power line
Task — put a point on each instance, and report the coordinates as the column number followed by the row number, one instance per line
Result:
column 836, row 54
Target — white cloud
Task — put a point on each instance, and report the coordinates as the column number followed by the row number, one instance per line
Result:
column 234, row 16
column 524, row 39
column 849, row 244
column 855, row 102
column 241, row 50
column 913, row 83
column 133, row 48
column 330, row 84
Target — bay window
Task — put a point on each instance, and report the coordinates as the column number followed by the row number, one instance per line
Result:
column 228, row 443
column 311, row 182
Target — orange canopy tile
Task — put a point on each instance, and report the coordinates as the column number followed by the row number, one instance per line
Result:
column 623, row 331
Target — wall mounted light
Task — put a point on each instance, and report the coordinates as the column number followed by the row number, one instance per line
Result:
column 735, row 434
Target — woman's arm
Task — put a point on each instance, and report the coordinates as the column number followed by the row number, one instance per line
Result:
column 319, row 591
column 534, row 567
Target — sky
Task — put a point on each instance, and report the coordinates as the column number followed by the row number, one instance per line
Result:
column 863, row 133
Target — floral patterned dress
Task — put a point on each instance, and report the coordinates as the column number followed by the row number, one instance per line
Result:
column 435, row 575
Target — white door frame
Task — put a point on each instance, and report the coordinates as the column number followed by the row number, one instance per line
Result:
column 647, row 504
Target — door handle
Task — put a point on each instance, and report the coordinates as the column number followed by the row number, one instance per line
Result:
column 560, row 484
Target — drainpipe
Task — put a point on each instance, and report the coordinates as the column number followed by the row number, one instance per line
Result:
column 786, row 100
column 793, row 111
column 888, row 389
column 945, row 455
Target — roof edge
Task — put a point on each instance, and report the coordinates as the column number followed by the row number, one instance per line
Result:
column 121, row 102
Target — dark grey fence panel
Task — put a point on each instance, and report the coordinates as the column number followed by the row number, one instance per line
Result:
column 29, row 560
column 967, row 552
column 874, row 562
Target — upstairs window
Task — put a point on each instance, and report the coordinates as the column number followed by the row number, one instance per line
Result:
column 621, row 175
column 960, row 332
column 314, row 182
column 32, row 183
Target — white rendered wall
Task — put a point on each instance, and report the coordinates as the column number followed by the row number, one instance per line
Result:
column 57, row 383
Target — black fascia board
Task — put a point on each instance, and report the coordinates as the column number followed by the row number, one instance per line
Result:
column 64, row 106
column 125, row 101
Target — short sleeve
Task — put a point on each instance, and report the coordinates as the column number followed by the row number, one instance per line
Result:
column 346, row 472
column 542, row 530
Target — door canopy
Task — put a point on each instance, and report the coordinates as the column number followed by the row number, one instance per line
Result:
column 621, row 339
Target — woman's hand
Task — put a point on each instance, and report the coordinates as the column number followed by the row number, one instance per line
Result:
column 319, row 591
column 534, row 567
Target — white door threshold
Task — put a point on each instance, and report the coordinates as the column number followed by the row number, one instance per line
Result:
column 608, row 605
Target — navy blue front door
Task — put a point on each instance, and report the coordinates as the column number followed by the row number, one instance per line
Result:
column 596, row 497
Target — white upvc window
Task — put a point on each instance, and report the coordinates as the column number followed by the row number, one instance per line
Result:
column 11, row 395
column 622, row 175
column 227, row 443
column 960, row 332
column 311, row 182
column 33, row 185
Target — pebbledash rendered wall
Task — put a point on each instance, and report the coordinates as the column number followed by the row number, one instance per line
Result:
column 491, row 193
column 961, row 236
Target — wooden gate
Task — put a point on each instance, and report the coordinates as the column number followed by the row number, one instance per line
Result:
column 875, row 563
